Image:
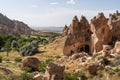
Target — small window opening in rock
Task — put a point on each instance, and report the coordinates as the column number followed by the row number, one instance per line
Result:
column 85, row 48
column 72, row 52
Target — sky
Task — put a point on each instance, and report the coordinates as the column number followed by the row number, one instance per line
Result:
column 57, row 13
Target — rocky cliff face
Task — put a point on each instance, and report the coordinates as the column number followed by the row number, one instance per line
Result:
column 78, row 37
column 8, row 26
column 90, row 38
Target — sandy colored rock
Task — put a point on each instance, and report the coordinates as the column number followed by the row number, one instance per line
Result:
column 55, row 71
column 117, row 47
column 31, row 62
column 90, row 38
column 65, row 30
column 78, row 38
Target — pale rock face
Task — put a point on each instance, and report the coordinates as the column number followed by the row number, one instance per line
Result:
column 55, row 71
column 78, row 38
column 117, row 47
column 31, row 62
column 65, row 30
column 90, row 38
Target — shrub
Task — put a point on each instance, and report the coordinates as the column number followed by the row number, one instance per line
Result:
column 116, row 62
column 57, row 56
column 70, row 77
column 1, row 59
column 15, row 45
column 17, row 59
column 42, row 66
column 29, row 49
column 48, row 61
column 111, row 72
column 116, row 69
column 26, row 76
column 27, row 69
column 81, row 75
column 106, row 61
column 100, row 74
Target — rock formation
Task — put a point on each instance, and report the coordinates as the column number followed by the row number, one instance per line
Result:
column 117, row 48
column 106, row 31
column 31, row 62
column 65, row 30
column 79, row 37
column 8, row 26
column 55, row 71
column 90, row 38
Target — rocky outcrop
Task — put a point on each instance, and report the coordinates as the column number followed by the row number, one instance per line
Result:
column 90, row 38
column 55, row 71
column 78, row 38
column 65, row 30
column 31, row 62
column 8, row 26
column 117, row 48
column 101, row 32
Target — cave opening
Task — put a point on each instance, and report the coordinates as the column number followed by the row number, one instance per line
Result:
column 85, row 48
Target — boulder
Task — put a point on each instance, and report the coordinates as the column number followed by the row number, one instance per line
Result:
column 39, row 77
column 93, row 69
column 75, row 56
column 106, row 50
column 55, row 71
column 117, row 47
column 31, row 62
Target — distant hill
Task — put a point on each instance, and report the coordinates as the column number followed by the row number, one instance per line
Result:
column 49, row 29
column 8, row 26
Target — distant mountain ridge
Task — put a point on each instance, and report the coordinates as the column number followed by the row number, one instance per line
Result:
column 49, row 29
column 8, row 26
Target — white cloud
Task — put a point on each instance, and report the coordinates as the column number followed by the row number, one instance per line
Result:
column 53, row 3
column 55, row 18
column 72, row 2
column 34, row 6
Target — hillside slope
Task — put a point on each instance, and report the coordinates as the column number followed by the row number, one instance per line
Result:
column 8, row 26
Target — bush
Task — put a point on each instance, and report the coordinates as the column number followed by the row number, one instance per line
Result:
column 106, row 61
column 26, row 76
column 57, row 56
column 100, row 74
column 17, row 59
column 27, row 69
column 111, row 72
column 116, row 69
column 29, row 49
column 1, row 59
column 70, row 77
column 48, row 61
column 42, row 67
column 116, row 62
column 81, row 75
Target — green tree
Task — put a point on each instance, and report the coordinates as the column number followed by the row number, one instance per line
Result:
column 7, row 47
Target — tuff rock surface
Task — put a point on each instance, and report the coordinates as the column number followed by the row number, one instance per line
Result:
column 83, row 36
